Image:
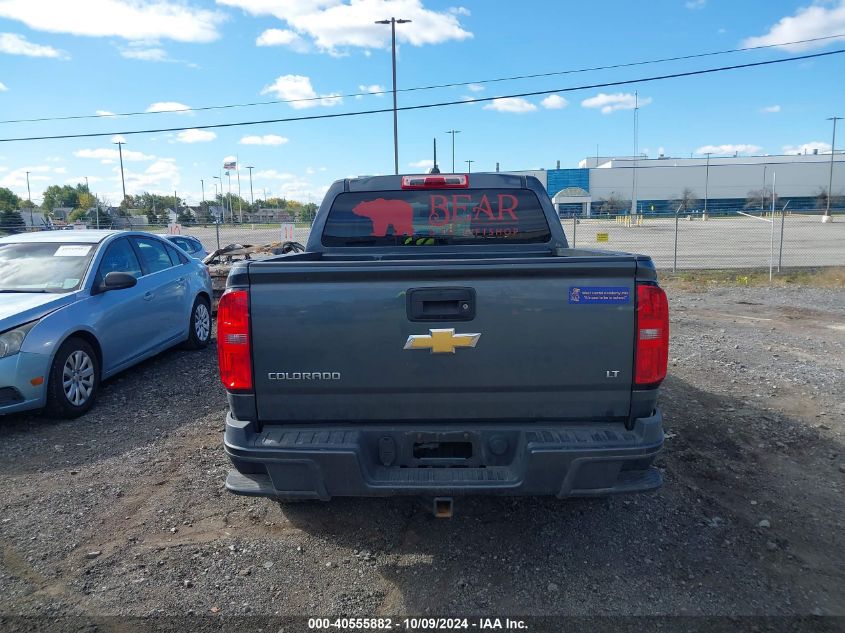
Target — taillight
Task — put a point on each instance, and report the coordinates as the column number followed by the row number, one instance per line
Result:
column 439, row 181
column 652, row 346
column 233, row 343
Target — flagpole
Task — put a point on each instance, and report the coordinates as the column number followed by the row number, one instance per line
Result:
column 238, row 172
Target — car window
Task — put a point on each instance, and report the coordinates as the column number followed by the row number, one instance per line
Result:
column 436, row 217
column 182, row 243
column 154, row 255
column 119, row 258
column 44, row 266
column 176, row 258
column 195, row 246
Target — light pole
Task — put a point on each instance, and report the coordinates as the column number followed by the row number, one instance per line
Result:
column 251, row 196
column 29, row 199
column 706, row 185
column 202, row 187
column 469, row 165
column 393, row 22
column 826, row 217
column 453, row 132
column 120, row 153
column 231, row 212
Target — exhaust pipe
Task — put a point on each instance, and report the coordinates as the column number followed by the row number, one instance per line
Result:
column 443, row 507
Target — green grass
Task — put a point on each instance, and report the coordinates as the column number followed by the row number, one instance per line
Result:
column 827, row 277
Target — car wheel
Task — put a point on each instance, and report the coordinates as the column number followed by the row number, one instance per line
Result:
column 199, row 331
column 74, row 380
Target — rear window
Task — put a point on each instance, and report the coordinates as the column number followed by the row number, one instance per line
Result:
column 436, row 217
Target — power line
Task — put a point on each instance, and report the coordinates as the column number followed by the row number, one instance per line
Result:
column 429, row 87
column 424, row 106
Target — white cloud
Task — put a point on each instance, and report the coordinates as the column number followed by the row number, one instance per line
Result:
column 126, row 19
column 3, row 87
column 475, row 87
column 516, row 105
column 425, row 163
column 145, row 52
column 14, row 44
column 608, row 103
column 16, row 178
column 272, row 174
column 771, row 109
column 168, row 106
column 105, row 113
column 373, row 89
column 807, row 148
column 195, row 136
column 692, row 5
column 741, row 148
column 809, row 22
column 118, row 138
column 298, row 87
column 266, row 139
column 333, row 25
column 107, row 153
column 554, row 102
column 163, row 174
column 282, row 37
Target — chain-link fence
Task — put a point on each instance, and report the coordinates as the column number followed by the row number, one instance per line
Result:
column 682, row 241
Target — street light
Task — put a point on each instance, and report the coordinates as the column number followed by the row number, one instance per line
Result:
column 826, row 217
column 469, row 165
column 120, row 152
column 706, row 185
column 393, row 22
column 453, row 132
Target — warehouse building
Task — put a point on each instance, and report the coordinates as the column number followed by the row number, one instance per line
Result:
column 609, row 184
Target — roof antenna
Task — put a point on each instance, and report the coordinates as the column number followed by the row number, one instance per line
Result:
column 435, row 169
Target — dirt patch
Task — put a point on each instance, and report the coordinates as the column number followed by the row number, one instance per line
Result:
column 123, row 511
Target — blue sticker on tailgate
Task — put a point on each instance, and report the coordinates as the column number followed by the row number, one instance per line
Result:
column 599, row 294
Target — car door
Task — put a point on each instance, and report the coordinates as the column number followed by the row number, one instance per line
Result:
column 119, row 316
column 165, row 288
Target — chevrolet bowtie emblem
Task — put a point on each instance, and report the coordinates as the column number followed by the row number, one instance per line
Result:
column 441, row 341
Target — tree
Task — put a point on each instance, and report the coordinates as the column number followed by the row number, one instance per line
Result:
column 77, row 214
column 64, row 196
column 760, row 200
column 9, row 201
column 307, row 212
column 614, row 204
column 11, row 221
column 687, row 201
column 836, row 201
column 86, row 200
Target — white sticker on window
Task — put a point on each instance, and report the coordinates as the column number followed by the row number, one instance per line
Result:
column 72, row 250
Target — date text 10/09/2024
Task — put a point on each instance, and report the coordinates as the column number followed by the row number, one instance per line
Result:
column 415, row 624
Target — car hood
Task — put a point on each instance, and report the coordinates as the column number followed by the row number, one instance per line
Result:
column 17, row 308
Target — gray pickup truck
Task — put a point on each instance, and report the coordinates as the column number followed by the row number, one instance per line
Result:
column 438, row 337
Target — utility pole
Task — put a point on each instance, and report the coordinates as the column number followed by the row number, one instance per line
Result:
column 706, row 185
column 231, row 214
column 240, row 200
column 122, row 179
column 469, row 165
column 435, row 169
column 453, row 132
column 826, row 217
column 202, row 205
column 29, row 199
column 393, row 22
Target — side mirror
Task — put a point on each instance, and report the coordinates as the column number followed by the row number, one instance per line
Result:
column 117, row 281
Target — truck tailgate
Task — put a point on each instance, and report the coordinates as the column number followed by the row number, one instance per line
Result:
column 331, row 341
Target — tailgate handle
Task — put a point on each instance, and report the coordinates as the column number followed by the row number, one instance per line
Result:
column 441, row 304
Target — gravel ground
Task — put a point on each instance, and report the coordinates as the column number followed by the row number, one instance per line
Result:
column 123, row 512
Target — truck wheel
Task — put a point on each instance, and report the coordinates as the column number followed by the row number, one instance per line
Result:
column 74, row 380
column 199, row 330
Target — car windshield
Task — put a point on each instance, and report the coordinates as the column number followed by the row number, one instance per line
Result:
column 43, row 267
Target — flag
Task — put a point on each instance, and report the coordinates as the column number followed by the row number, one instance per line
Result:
column 230, row 165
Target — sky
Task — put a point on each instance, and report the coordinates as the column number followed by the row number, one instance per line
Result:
column 103, row 58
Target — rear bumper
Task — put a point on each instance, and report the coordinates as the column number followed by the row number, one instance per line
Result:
column 564, row 460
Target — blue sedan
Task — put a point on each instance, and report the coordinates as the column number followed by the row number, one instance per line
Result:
column 77, row 307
